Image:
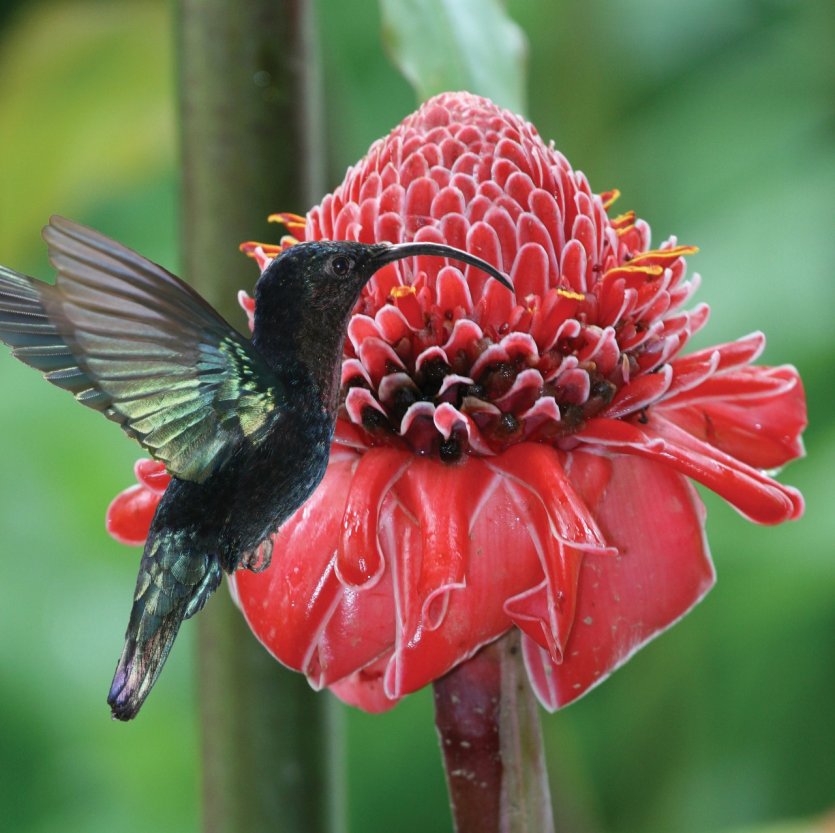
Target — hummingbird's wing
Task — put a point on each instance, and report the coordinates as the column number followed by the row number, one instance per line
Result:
column 138, row 344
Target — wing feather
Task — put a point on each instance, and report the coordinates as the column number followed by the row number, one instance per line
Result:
column 133, row 341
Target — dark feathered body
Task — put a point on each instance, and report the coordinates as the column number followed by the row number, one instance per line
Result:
column 201, row 530
column 244, row 427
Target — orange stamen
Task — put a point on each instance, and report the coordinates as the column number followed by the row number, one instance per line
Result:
column 649, row 271
column 402, row 291
column 665, row 255
column 269, row 249
column 610, row 198
column 625, row 219
column 293, row 222
column 574, row 296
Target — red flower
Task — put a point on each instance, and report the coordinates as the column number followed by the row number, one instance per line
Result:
column 507, row 461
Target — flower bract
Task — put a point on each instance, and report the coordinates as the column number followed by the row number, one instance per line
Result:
column 508, row 460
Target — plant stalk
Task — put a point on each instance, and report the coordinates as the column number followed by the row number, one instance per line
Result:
column 251, row 145
column 488, row 723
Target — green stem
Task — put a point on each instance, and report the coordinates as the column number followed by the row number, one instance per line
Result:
column 488, row 723
column 251, row 145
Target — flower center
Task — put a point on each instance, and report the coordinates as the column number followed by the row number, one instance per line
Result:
column 447, row 381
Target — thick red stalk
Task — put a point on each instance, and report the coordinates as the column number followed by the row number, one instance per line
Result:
column 488, row 723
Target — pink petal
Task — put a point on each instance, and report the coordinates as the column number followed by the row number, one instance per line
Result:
column 663, row 567
column 453, row 292
column 356, row 402
column 433, row 494
column 639, row 393
column 152, row 474
column 392, row 323
column 358, row 629
column 378, row 358
column 752, row 493
column 365, row 688
column 561, row 529
column 756, row 414
column 733, row 354
column 473, row 613
column 359, row 560
column 448, row 419
column 130, row 513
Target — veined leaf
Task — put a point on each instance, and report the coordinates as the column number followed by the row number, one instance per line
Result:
column 442, row 45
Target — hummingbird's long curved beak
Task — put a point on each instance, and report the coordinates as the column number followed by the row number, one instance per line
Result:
column 397, row 251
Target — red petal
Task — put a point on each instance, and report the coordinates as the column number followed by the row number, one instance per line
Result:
column 752, row 493
column 433, row 494
column 561, row 529
column 288, row 604
column 452, row 291
column 448, row 419
column 499, row 557
column 757, row 418
column 129, row 515
column 365, row 689
column 152, row 474
column 732, row 354
column 529, row 273
column 359, row 560
column 378, row 357
column 639, row 393
column 663, row 568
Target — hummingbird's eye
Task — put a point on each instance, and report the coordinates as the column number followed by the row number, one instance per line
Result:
column 341, row 265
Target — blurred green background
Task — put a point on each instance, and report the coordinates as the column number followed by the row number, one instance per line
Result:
column 715, row 120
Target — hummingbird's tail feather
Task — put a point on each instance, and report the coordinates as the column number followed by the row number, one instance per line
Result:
column 138, row 669
column 170, row 587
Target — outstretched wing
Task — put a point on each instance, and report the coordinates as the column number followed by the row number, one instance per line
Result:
column 133, row 341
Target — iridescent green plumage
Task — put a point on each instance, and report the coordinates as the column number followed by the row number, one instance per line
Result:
column 132, row 340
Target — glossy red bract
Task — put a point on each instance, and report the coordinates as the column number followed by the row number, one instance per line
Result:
column 509, row 459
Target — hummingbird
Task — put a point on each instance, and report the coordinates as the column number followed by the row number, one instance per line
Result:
column 244, row 427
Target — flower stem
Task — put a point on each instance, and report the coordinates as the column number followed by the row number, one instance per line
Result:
column 488, row 722
column 251, row 145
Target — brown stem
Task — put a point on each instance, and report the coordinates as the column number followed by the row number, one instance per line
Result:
column 251, row 145
column 488, row 722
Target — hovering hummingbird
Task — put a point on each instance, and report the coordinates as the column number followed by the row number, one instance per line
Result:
column 243, row 427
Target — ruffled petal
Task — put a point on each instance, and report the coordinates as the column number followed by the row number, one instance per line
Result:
column 655, row 519
column 365, row 689
column 359, row 560
column 500, row 560
column 756, row 414
column 752, row 493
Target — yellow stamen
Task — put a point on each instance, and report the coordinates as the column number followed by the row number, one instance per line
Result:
column 625, row 219
column 574, row 296
column 293, row 222
column 269, row 249
column 653, row 271
column 610, row 198
column 665, row 254
column 402, row 290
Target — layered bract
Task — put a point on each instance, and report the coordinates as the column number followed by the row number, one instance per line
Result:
column 508, row 459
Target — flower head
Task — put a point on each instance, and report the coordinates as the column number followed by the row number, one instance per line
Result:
column 511, row 459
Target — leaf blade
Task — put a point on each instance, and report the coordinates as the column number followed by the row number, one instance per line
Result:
column 444, row 45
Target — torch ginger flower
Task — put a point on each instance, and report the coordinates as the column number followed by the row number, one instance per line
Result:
column 507, row 461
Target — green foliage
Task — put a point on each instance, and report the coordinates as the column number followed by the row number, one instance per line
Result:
column 472, row 45
column 714, row 119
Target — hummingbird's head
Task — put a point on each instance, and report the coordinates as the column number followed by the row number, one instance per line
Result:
column 326, row 276
column 322, row 279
